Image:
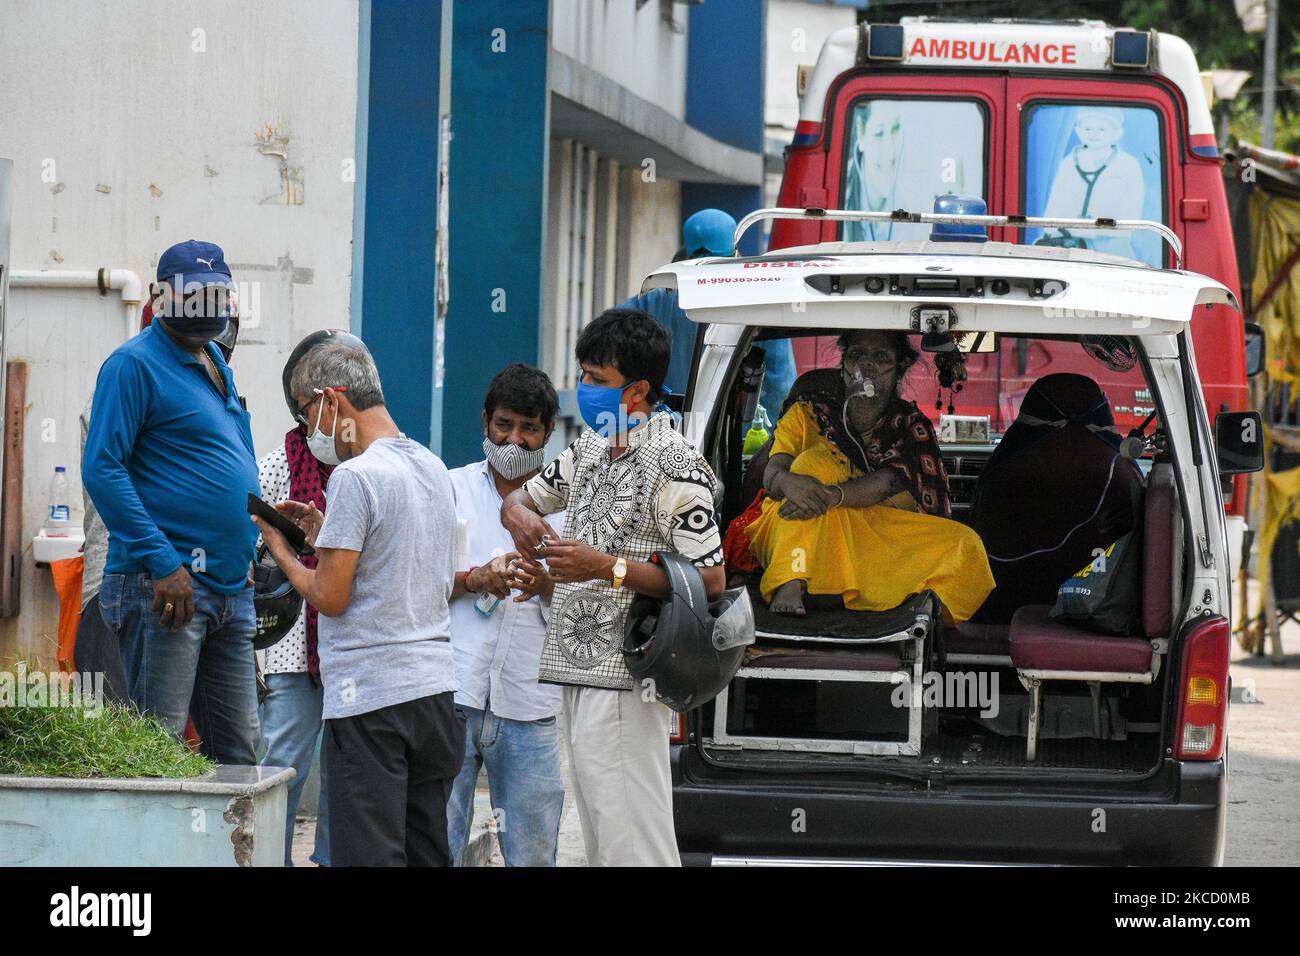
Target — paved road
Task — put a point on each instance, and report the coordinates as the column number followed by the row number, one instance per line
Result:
column 1264, row 759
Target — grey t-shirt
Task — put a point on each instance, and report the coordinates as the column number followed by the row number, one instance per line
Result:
column 393, row 503
column 96, row 547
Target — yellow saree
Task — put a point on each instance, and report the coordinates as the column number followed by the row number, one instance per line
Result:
column 874, row 557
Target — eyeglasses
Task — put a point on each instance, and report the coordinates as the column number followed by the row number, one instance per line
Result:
column 880, row 358
column 301, row 414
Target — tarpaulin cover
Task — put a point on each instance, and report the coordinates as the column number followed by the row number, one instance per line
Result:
column 1275, row 222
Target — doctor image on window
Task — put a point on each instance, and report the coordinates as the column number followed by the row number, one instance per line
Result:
column 871, row 181
column 1097, row 178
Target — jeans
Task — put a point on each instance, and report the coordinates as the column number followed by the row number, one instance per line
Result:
column 523, row 766
column 291, row 725
column 204, row 669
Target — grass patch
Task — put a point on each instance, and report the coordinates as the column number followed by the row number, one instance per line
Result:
column 80, row 741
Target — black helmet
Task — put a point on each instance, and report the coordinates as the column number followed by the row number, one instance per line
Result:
column 276, row 604
column 690, row 648
column 305, row 346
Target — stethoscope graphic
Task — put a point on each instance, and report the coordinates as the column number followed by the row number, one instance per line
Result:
column 1090, row 178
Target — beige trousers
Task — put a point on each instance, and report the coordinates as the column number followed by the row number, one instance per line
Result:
column 617, row 745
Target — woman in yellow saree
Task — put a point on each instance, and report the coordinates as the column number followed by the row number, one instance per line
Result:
column 848, row 470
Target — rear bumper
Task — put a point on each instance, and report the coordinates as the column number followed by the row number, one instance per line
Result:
column 746, row 819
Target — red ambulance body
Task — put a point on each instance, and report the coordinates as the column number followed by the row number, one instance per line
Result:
column 1072, row 120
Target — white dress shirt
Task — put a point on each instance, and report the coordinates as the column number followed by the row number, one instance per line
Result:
column 497, row 658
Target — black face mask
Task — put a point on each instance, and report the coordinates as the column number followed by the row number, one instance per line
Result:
column 196, row 326
column 198, row 316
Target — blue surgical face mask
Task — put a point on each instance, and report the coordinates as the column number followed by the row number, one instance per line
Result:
column 602, row 409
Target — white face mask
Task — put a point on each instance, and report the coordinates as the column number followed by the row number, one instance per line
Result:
column 320, row 444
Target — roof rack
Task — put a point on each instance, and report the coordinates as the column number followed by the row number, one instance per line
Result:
column 1015, row 222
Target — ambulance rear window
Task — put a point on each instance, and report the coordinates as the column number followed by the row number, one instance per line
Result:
column 902, row 153
column 1089, row 160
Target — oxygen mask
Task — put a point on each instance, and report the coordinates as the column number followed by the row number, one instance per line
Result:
column 860, row 385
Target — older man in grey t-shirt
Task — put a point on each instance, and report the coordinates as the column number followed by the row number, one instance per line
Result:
column 393, row 742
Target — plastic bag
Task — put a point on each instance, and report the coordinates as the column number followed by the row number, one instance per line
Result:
column 1105, row 595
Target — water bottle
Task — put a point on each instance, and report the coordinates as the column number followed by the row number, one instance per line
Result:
column 60, row 513
column 487, row 603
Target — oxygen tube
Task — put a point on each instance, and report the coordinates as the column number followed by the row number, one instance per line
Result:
column 859, row 386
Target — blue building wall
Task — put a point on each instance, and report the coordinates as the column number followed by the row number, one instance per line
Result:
column 500, row 138
column 396, row 207
column 724, row 98
column 724, row 71
column 496, row 84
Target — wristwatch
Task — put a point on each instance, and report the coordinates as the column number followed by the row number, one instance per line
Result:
column 620, row 571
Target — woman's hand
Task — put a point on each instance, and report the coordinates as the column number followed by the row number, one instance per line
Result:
column 805, row 497
column 306, row 516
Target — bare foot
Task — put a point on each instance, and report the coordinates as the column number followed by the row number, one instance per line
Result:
column 788, row 598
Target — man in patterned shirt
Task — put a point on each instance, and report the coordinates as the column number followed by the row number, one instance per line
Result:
column 631, row 485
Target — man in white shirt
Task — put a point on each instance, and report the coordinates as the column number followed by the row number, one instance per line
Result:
column 497, row 638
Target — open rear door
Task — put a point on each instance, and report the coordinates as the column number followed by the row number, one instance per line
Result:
column 1064, row 294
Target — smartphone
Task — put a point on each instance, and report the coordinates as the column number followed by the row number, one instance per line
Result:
column 296, row 536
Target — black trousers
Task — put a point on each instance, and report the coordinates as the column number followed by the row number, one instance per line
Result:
column 97, row 651
column 390, row 776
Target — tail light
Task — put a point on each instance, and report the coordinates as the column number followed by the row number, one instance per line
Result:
column 1202, row 723
column 677, row 729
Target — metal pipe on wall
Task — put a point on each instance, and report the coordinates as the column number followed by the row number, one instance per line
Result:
column 123, row 281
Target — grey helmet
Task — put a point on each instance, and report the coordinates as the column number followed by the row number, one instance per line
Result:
column 689, row 647
column 305, row 346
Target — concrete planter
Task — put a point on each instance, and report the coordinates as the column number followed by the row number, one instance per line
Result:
column 233, row 816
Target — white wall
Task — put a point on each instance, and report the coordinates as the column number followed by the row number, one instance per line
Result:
column 796, row 31
column 656, row 232
column 634, row 48
column 133, row 126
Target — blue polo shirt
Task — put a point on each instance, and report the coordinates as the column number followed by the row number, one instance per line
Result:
column 169, row 464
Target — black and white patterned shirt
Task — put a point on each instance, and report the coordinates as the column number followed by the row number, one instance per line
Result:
column 656, row 496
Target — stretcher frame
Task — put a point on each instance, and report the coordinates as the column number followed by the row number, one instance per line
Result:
column 912, row 672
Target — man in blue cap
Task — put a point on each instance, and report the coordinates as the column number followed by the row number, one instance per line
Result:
column 709, row 232
column 169, row 464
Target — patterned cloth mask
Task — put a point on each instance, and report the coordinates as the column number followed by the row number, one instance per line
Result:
column 512, row 461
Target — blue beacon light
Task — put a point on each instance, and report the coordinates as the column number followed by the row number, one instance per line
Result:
column 951, row 205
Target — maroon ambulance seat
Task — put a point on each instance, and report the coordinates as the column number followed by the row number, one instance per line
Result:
column 1042, row 649
column 1040, row 644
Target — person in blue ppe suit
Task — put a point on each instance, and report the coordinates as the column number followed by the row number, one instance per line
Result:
column 710, row 232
